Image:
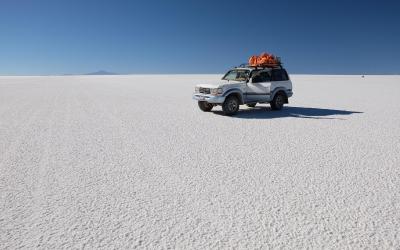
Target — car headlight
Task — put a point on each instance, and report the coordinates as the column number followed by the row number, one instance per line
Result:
column 216, row 91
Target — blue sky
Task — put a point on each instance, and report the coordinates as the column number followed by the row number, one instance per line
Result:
column 40, row 37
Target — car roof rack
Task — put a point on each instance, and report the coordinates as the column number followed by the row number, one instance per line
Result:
column 278, row 65
column 266, row 66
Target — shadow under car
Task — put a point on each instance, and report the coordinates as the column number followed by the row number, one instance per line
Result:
column 262, row 112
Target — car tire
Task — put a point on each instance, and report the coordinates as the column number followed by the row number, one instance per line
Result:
column 205, row 106
column 251, row 105
column 278, row 101
column 230, row 105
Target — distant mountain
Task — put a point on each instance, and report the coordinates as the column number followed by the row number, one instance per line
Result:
column 101, row 73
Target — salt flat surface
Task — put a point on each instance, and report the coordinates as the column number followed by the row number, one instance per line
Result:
column 130, row 161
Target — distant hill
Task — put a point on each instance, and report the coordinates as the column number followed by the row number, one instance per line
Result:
column 100, row 73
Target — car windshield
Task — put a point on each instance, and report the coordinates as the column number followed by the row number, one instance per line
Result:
column 237, row 75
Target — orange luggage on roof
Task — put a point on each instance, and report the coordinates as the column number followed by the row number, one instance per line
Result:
column 265, row 59
column 253, row 60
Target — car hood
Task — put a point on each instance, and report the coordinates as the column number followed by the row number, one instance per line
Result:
column 218, row 84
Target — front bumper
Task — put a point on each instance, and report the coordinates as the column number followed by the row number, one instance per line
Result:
column 209, row 98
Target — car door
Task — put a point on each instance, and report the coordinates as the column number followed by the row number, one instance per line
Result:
column 258, row 87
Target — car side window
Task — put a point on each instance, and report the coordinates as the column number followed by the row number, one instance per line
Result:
column 265, row 76
column 261, row 77
column 285, row 76
column 279, row 75
column 257, row 78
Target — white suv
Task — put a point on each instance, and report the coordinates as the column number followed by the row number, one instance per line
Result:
column 246, row 85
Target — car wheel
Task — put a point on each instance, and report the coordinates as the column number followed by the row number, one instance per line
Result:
column 251, row 105
column 277, row 102
column 205, row 106
column 230, row 105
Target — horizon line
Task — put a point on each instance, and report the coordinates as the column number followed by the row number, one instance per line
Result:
column 148, row 74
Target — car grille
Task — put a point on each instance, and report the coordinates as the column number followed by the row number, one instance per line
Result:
column 205, row 90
